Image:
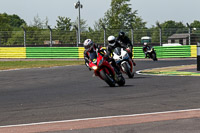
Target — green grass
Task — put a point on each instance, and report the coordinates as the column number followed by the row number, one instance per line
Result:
column 6, row 65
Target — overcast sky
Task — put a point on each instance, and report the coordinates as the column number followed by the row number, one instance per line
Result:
column 150, row 10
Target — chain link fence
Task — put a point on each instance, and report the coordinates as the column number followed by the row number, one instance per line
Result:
column 184, row 36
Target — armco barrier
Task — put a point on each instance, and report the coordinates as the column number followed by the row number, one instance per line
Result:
column 77, row 52
column 52, row 52
column 12, row 52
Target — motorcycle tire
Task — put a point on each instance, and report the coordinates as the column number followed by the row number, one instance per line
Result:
column 127, row 70
column 154, row 57
column 109, row 80
column 121, row 81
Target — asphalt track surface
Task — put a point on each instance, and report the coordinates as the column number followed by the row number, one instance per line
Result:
column 71, row 92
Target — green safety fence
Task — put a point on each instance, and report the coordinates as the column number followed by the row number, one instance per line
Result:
column 52, row 52
column 173, row 51
column 77, row 52
column 165, row 52
column 12, row 52
column 138, row 52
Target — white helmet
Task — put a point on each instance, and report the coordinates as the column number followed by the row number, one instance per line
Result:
column 111, row 40
column 88, row 44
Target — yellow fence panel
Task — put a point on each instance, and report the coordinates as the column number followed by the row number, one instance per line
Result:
column 80, row 52
column 193, row 51
column 12, row 52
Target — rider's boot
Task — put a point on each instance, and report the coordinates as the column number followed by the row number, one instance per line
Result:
column 133, row 62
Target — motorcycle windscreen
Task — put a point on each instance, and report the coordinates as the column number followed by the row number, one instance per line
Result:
column 93, row 56
column 117, row 50
column 148, row 48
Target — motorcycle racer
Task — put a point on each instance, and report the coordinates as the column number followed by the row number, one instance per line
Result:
column 91, row 48
column 145, row 48
column 113, row 43
column 125, row 42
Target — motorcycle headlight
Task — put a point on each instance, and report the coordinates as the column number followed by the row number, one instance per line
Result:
column 94, row 67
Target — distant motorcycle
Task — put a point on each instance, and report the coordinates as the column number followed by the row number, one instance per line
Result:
column 150, row 53
column 104, row 70
column 122, row 58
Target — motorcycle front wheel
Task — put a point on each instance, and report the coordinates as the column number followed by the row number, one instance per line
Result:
column 109, row 80
column 121, row 81
column 127, row 70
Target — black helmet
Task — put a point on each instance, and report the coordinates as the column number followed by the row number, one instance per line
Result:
column 121, row 34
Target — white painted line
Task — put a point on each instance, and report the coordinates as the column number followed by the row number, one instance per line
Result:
column 18, row 69
column 98, row 118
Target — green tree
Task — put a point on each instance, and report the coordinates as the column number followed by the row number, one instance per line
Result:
column 64, row 23
column 155, row 34
column 15, row 21
column 37, row 22
column 10, row 21
column 17, row 38
column 120, row 16
column 35, row 35
column 196, row 29
column 195, row 24
column 4, row 22
column 83, row 24
column 5, row 29
column 169, row 28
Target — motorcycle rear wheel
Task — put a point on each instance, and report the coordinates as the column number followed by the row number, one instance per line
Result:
column 154, row 56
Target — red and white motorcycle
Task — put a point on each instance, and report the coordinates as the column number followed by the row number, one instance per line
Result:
column 104, row 70
column 122, row 58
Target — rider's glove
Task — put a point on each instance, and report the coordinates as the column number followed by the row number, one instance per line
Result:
column 87, row 64
column 128, row 50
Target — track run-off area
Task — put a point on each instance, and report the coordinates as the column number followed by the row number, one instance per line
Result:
column 69, row 99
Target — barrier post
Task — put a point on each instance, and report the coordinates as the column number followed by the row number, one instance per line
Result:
column 198, row 56
column 24, row 36
column 50, row 35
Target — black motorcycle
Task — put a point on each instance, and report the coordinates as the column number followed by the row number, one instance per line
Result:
column 150, row 53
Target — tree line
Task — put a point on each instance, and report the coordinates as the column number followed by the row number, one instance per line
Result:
column 118, row 17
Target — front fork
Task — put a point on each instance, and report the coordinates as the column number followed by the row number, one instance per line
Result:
column 109, row 72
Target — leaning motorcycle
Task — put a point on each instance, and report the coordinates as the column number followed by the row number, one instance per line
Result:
column 151, row 53
column 104, row 70
column 122, row 58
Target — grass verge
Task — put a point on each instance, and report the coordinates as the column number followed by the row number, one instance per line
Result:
column 6, row 65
